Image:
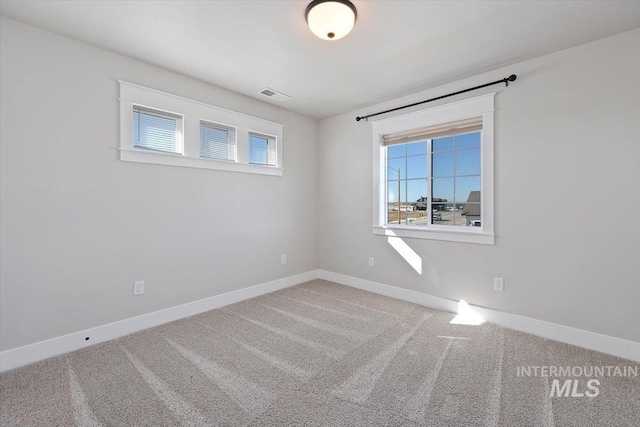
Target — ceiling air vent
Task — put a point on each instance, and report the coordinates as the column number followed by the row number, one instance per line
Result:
column 274, row 95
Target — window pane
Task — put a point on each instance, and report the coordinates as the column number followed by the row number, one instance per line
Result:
column 262, row 149
column 217, row 142
column 443, row 144
column 258, row 149
column 468, row 162
column 417, row 214
column 419, row 147
column 442, row 190
column 465, row 186
column 394, row 165
column 396, row 151
column 416, row 189
column 440, row 212
column 417, row 167
column 155, row 130
column 396, row 212
column 468, row 140
column 392, row 191
column 442, row 203
column 442, row 164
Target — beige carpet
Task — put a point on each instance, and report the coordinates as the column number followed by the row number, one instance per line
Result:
column 318, row 354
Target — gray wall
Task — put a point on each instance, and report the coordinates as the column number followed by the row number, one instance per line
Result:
column 79, row 226
column 567, row 193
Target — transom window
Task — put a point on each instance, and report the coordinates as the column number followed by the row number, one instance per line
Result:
column 165, row 129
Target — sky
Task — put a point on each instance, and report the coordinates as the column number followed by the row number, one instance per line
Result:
column 258, row 150
column 456, row 164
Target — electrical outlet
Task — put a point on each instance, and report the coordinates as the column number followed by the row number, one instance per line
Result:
column 371, row 261
column 138, row 287
column 498, row 284
column 283, row 258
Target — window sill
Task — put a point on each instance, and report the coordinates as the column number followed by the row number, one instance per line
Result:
column 462, row 236
column 171, row 159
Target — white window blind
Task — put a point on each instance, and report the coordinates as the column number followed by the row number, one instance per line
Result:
column 217, row 141
column 262, row 149
column 156, row 130
column 432, row 132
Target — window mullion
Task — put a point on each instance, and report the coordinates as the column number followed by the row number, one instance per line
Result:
column 385, row 177
column 179, row 135
column 191, row 145
column 406, row 189
column 242, row 147
column 429, row 181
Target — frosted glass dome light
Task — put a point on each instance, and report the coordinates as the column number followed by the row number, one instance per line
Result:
column 331, row 19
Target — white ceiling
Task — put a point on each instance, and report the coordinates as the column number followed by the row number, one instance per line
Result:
column 396, row 47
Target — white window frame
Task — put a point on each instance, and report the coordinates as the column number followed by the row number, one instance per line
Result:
column 481, row 106
column 193, row 112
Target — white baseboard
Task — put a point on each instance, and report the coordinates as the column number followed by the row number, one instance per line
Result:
column 591, row 340
column 21, row 356
column 31, row 353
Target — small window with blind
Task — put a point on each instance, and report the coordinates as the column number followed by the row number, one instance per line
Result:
column 437, row 178
column 262, row 149
column 157, row 130
column 217, row 141
column 171, row 130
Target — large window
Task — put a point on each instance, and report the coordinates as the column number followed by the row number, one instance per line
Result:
column 434, row 171
column 435, row 181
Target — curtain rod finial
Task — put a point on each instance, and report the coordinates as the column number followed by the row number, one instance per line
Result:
column 511, row 78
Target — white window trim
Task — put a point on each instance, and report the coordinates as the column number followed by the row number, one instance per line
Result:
column 474, row 107
column 193, row 112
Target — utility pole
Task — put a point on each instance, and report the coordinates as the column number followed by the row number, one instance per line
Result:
column 398, row 172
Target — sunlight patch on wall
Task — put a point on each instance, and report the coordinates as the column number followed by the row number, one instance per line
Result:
column 405, row 251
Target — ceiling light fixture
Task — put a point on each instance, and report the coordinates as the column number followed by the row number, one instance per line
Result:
column 331, row 19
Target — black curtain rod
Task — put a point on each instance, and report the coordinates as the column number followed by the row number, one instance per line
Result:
column 506, row 81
